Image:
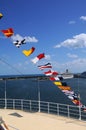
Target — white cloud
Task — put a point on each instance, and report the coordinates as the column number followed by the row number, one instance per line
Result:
column 48, row 57
column 78, row 41
column 72, row 22
column 27, row 38
column 83, row 18
column 31, row 39
column 77, row 65
column 72, row 55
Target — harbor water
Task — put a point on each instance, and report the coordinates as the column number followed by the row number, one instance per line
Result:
column 29, row 88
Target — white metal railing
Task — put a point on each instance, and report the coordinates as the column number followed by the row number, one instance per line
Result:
column 42, row 106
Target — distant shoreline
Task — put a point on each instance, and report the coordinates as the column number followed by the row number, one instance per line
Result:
column 14, row 77
column 37, row 76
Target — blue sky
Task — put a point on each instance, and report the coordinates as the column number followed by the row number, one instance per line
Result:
column 54, row 27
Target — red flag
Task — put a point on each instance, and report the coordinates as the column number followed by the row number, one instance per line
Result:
column 54, row 78
column 8, row 32
column 51, row 72
column 36, row 59
column 40, row 56
column 48, row 73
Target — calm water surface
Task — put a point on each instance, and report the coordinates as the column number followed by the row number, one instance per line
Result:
column 28, row 89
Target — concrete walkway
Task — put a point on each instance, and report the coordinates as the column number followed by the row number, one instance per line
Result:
column 20, row 120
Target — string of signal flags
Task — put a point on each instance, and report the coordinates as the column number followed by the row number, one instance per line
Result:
column 53, row 75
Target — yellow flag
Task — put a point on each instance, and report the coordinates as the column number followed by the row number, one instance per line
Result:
column 57, row 83
column 1, row 15
column 28, row 52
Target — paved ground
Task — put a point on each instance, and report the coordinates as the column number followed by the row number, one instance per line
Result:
column 19, row 120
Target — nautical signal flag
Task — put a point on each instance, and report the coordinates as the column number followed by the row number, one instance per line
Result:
column 57, row 83
column 18, row 43
column 28, row 52
column 1, row 15
column 48, row 65
column 36, row 59
column 48, row 73
column 8, row 32
column 54, row 78
column 51, row 73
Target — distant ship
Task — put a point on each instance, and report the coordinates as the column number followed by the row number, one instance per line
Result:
column 67, row 75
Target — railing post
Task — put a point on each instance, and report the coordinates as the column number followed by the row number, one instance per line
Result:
column 5, row 103
column 58, row 108
column 38, row 94
column 48, row 108
column 5, row 95
column 30, row 105
column 13, row 103
column 68, row 111
column 39, row 105
column 79, row 113
column 21, row 104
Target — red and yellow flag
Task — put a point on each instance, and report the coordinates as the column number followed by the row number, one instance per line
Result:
column 8, row 32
